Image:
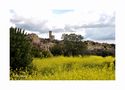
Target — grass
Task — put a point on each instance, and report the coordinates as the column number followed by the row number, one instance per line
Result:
column 68, row 68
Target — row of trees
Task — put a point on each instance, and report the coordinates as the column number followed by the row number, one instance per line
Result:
column 22, row 51
column 71, row 45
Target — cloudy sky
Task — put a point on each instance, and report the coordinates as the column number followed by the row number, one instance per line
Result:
column 94, row 19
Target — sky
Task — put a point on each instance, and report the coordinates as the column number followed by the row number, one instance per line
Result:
column 93, row 19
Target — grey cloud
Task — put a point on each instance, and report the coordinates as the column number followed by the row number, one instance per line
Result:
column 94, row 26
column 96, row 31
column 106, row 33
column 103, row 22
column 31, row 25
column 57, row 30
column 103, row 29
column 107, row 19
column 16, row 20
column 69, row 28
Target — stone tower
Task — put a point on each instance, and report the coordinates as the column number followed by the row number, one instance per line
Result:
column 51, row 37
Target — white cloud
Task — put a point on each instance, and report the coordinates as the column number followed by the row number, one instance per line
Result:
column 89, row 17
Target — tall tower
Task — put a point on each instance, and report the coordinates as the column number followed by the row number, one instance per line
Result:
column 51, row 37
column 50, row 34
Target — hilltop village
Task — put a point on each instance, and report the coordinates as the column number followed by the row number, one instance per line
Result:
column 92, row 47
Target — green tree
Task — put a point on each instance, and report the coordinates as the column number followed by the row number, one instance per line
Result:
column 73, row 44
column 72, row 37
column 36, row 52
column 20, row 49
column 57, row 49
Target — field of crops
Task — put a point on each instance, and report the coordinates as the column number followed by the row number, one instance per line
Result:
column 68, row 68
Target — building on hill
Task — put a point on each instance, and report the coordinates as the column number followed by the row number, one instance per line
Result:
column 41, row 43
column 51, row 37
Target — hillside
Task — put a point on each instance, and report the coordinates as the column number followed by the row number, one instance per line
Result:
column 92, row 47
column 100, row 48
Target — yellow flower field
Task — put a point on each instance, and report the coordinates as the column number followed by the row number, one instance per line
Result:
column 68, row 68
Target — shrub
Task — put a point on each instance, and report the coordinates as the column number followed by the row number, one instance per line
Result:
column 20, row 49
column 36, row 52
column 45, row 54
column 57, row 50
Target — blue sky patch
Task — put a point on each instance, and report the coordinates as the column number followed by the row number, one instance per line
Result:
column 63, row 11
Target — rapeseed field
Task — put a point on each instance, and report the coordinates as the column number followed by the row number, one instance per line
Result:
column 68, row 68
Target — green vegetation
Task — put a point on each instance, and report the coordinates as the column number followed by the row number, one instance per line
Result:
column 30, row 62
column 37, row 53
column 68, row 68
column 71, row 45
column 20, row 49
